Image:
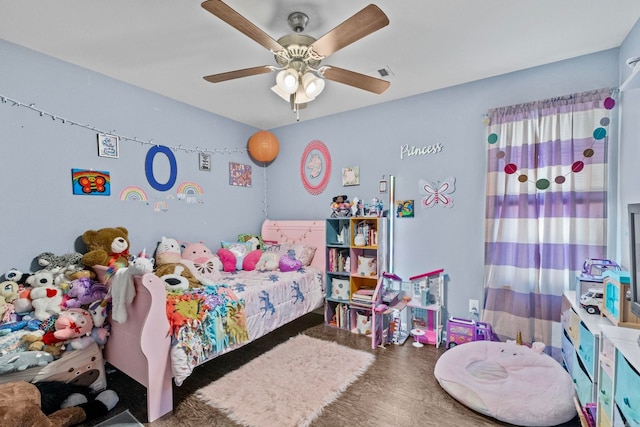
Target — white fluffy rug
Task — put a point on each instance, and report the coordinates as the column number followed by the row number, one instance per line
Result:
column 289, row 385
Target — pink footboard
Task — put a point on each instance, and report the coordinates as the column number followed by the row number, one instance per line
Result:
column 140, row 347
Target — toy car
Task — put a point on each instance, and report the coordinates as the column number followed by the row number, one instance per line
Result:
column 460, row 331
column 591, row 300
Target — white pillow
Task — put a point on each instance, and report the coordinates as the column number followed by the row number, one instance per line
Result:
column 340, row 289
column 367, row 266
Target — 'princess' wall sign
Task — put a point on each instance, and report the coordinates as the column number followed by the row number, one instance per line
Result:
column 410, row 151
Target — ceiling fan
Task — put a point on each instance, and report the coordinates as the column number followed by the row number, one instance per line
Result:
column 300, row 76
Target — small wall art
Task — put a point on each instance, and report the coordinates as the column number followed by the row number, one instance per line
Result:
column 90, row 183
column 239, row 175
column 437, row 193
column 190, row 192
column 350, row 176
column 204, row 161
column 315, row 167
column 108, row 146
column 404, row 209
column 134, row 193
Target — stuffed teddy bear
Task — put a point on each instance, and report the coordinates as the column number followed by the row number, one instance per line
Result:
column 177, row 277
column 46, row 298
column 51, row 404
column 106, row 246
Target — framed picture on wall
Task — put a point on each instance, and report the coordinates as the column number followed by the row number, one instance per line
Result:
column 350, row 176
column 108, row 146
column 204, row 161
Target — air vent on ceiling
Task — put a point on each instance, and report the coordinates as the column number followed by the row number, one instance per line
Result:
column 385, row 72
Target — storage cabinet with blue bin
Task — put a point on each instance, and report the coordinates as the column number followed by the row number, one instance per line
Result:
column 580, row 347
column 619, row 376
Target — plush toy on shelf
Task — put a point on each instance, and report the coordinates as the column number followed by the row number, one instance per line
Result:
column 340, row 207
column 106, row 246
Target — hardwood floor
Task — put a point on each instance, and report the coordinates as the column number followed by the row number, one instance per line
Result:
column 399, row 389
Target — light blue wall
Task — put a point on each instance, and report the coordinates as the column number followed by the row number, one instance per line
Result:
column 628, row 176
column 41, row 214
column 370, row 138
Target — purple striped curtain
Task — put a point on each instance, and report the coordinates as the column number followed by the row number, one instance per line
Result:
column 545, row 209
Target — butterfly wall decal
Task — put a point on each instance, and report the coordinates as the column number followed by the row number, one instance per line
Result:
column 438, row 193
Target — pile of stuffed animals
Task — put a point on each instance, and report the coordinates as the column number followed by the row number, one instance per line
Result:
column 183, row 265
column 60, row 307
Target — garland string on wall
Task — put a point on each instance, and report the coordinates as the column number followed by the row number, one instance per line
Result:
column 5, row 99
column 288, row 239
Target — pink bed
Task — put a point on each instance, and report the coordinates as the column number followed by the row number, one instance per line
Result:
column 141, row 347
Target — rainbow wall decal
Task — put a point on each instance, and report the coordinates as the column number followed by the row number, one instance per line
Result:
column 133, row 193
column 190, row 189
column 161, row 206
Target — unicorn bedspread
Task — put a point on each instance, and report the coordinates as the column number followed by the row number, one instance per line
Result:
column 242, row 307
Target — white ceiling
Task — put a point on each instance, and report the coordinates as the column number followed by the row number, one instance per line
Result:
column 167, row 46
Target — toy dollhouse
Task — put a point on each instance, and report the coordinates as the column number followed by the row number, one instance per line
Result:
column 409, row 308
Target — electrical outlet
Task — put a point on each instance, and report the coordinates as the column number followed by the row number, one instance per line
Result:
column 474, row 306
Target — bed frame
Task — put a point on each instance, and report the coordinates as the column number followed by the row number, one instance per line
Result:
column 140, row 347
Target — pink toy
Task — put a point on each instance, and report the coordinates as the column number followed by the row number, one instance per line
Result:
column 460, row 331
column 73, row 323
column 203, row 264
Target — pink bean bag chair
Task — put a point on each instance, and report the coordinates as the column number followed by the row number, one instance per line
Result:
column 512, row 383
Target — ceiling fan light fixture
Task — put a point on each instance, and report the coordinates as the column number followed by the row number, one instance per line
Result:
column 312, row 84
column 287, row 80
column 301, row 96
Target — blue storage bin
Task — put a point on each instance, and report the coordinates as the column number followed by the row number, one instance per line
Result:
column 627, row 390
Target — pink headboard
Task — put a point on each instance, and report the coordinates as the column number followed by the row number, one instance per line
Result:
column 311, row 233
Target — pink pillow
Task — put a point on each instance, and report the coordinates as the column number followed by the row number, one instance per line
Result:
column 228, row 260
column 251, row 260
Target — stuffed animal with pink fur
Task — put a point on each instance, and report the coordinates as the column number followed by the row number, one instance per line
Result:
column 202, row 263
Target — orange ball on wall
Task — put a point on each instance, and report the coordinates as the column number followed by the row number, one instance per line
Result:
column 263, row 146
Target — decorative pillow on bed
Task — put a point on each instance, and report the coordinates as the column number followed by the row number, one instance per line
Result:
column 304, row 253
column 228, row 260
column 251, row 260
column 367, row 266
column 340, row 288
column 239, row 249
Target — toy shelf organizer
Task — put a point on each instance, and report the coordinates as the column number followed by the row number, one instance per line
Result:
column 404, row 306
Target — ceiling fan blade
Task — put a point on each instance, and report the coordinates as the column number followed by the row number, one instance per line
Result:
column 351, row 78
column 240, row 23
column 230, row 75
column 363, row 23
